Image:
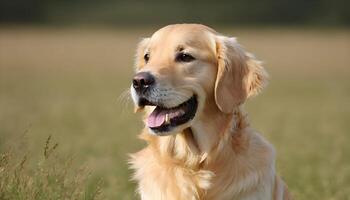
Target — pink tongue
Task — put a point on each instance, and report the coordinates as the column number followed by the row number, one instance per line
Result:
column 156, row 118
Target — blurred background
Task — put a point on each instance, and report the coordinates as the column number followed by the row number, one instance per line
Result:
column 66, row 121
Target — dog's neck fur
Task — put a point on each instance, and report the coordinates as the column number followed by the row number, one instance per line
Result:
column 195, row 144
column 208, row 131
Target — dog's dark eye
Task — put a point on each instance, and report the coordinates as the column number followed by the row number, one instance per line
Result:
column 184, row 57
column 146, row 57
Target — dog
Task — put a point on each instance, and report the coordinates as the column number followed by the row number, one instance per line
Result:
column 191, row 82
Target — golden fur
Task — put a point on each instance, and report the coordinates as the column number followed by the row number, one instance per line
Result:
column 217, row 155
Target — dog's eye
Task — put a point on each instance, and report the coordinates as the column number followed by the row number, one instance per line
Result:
column 146, row 57
column 184, row 57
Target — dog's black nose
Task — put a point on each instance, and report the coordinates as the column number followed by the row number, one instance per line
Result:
column 142, row 81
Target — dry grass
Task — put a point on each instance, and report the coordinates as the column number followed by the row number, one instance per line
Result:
column 52, row 177
column 66, row 83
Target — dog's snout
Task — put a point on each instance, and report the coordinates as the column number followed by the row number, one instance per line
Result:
column 142, row 81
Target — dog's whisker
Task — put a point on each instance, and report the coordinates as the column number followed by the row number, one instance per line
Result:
column 124, row 96
column 124, row 99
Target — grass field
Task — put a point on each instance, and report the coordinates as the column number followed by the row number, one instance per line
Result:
column 67, row 83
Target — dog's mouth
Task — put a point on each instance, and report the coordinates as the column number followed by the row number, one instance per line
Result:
column 164, row 119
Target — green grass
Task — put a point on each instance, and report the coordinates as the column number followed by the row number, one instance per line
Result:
column 67, row 83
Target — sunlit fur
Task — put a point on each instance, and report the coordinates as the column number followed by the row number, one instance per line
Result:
column 217, row 155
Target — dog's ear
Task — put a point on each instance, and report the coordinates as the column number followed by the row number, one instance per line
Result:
column 140, row 53
column 239, row 75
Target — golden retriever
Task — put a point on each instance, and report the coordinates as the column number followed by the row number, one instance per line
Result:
column 192, row 83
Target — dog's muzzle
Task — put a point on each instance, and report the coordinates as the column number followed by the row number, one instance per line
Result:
column 162, row 118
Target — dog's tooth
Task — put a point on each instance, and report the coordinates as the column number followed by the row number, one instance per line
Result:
column 167, row 118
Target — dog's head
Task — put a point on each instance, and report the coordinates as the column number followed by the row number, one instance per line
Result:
column 182, row 69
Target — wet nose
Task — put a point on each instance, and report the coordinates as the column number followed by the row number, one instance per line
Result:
column 142, row 81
